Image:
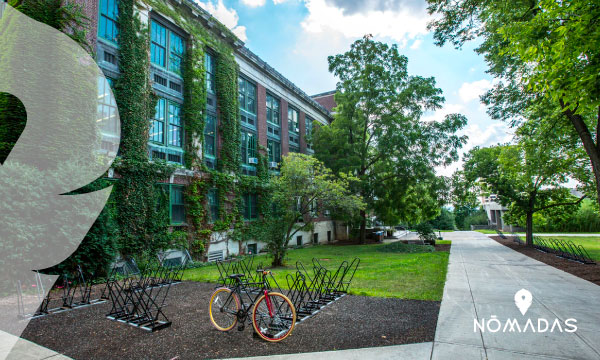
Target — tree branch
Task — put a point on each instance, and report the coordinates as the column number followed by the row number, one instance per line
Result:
column 560, row 204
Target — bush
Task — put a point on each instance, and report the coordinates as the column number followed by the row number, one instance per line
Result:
column 478, row 218
column 426, row 233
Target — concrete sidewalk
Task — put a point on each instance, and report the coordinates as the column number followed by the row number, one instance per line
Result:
column 483, row 277
column 15, row 348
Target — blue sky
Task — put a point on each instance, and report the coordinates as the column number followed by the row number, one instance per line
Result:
column 296, row 36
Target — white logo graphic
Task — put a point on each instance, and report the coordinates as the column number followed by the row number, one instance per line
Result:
column 523, row 299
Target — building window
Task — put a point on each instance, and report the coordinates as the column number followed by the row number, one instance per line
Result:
column 175, row 125
column 248, row 149
column 166, row 132
column 210, row 136
column 177, row 205
column 213, row 204
column 163, row 41
column 274, row 150
column 107, row 112
column 250, row 206
column 209, row 66
column 247, row 95
column 293, row 120
column 107, row 27
column 157, row 129
column 308, row 137
column 273, row 112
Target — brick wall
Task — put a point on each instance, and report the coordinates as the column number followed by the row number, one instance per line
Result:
column 285, row 137
column 261, row 114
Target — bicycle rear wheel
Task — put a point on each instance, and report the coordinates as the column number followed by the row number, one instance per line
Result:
column 274, row 317
column 223, row 309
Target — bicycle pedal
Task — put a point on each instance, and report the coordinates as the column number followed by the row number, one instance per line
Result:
column 241, row 327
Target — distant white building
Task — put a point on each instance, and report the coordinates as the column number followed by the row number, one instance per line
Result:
column 495, row 212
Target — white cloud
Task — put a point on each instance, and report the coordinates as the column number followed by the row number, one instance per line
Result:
column 496, row 133
column 229, row 17
column 277, row 2
column 415, row 45
column 254, row 3
column 473, row 90
column 400, row 24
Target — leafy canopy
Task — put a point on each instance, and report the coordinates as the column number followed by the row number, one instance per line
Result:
column 378, row 135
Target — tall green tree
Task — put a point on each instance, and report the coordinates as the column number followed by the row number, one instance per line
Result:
column 526, row 178
column 546, row 52
column 378, row 135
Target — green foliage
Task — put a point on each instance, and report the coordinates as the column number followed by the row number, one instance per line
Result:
column 226, row 83
column 426, row 233
column 526, row 177
column 304, row 185
column 400, row 247
column 444, row 221
column 544, row 51
column 476, row 217
column 377, row 134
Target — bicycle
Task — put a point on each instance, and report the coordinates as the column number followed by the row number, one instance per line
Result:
column 273, row 314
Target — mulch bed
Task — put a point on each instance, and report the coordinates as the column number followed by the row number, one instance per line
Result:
column 351, row 322
column 585, row 271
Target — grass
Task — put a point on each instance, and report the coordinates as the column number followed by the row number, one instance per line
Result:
column 419, row 276
column 590, row 243
column 443, row 242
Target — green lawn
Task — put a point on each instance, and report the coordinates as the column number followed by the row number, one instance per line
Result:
column 418, row 276
column 443, row 242
column 486, row 231
column 590, row 243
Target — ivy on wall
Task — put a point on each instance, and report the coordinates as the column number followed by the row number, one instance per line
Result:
column 141, row 205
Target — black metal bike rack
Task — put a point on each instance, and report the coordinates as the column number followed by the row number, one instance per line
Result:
column 566, row 249
column 139, row 297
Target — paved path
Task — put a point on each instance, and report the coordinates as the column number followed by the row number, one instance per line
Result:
column 420, row 351
column 483, row 277
column 14, row 348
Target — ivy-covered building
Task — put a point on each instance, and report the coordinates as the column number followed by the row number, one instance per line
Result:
column 222, row 116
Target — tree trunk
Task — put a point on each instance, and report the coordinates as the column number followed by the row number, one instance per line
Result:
column 363, row 227
column 591, row 148
column 529, row 231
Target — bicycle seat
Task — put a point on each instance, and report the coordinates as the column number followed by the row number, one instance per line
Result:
column 236, row 276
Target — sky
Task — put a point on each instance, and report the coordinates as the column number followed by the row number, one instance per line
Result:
column 297, row 36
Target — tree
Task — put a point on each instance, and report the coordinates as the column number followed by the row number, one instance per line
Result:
column 304, row 188
column 526, row 178
column 463, row 197
column 378, row 136
column 546, row 53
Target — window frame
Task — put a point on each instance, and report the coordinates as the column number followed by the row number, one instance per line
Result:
column 171, row 204
column 295, row 129
column 245, row 146
column 271, row 157
column 210, row 75
column 250, row 203
column 167, row 48
column 108, row 18
column 243, row 85
column 213, row 205
column 274, row 100
column 213, row 137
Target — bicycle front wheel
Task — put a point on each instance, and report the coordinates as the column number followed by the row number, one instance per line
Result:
column 273, row 317
column 223, row 309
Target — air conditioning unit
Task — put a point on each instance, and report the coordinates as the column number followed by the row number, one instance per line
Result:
column 273, row 164
column 252, row 161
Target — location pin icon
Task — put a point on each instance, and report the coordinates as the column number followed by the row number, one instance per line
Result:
column 523, row 299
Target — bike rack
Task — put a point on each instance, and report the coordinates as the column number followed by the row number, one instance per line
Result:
column 76, row 293
column 565, row 249
column 138, row 298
